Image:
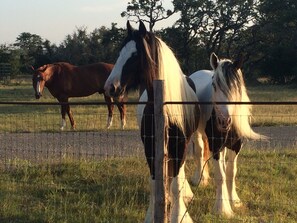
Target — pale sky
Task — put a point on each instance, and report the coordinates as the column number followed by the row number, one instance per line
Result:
column 54, row 19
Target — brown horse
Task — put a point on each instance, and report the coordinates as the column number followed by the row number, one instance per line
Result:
column 65, row 80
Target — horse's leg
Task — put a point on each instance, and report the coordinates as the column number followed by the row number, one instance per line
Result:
column 177, row 145
column 70, row 116
column 149, row 217
column 122, row 110
column 222, row 204
column 231, row 170
column 147, row 128
column 201, row 173
column 63, row 113
column 110, row 107
column 206, row 156
column 179, row 212
column 186, row 189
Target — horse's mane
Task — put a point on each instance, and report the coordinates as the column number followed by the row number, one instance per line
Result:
column 231, row 82
column 42, row 68
column 164, row 66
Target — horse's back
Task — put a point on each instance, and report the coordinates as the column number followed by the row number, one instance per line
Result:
column 84, row 80
column 203, row 84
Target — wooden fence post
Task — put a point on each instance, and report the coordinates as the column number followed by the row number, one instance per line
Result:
column 161, row 155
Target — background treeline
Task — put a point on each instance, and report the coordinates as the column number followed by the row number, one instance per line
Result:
column 263, row 31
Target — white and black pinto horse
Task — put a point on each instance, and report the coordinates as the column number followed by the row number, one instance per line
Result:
column 144, row 58
column 222, row 126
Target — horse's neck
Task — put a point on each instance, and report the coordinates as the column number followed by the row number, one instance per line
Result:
column 52, row 84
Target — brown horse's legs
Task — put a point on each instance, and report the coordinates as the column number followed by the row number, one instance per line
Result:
column 70, row 116
column 122, row 110
column 65, row 108
column 63, row 113
column 110, row 108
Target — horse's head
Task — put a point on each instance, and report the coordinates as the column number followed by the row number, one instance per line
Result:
column 131, row 63
column 40, row 77
column 227, row 87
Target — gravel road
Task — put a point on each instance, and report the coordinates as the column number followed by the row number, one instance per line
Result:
column 94, row 145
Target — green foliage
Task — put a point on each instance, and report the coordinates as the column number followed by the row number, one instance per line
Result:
column 278, row 22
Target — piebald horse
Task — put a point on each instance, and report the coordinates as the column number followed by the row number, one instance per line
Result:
column 65, row 80
column 222, row 126
column 144, row 58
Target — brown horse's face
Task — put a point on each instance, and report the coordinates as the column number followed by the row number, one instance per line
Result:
column 38, row 81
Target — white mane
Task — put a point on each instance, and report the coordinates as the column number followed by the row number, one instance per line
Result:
column 176, row 89
column 241, row 113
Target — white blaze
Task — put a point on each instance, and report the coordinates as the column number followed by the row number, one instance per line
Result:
column 115, row 76
column 38, row 85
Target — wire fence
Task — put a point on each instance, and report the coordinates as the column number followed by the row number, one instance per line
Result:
column 92, row 174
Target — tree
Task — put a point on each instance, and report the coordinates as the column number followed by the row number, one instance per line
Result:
column 102, row 44
column 277, row 22
column 111, row 40
column 150, row 11
column 75, row 48
column 9, row 59
column 31, row 47
column 213, row 26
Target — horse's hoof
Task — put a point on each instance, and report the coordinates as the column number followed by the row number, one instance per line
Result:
column 227, row 212
column 237, row 204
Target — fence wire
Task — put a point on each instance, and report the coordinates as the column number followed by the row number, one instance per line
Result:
column 92, row 174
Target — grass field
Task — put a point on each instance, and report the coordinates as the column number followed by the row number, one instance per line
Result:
column 116, row 189
column 90, row 117
column 111, row 191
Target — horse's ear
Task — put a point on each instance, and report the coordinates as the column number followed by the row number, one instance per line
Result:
column 142, row 29
column 239, row 62
column 30, row 69
column 214, row 61
column 129, row 28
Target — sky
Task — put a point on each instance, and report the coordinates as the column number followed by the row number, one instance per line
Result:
column 54, row 19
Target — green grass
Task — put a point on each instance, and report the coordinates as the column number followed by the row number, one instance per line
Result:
column 36, row 118
column 273, row 114
column 33, row 118
column 116, row 190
